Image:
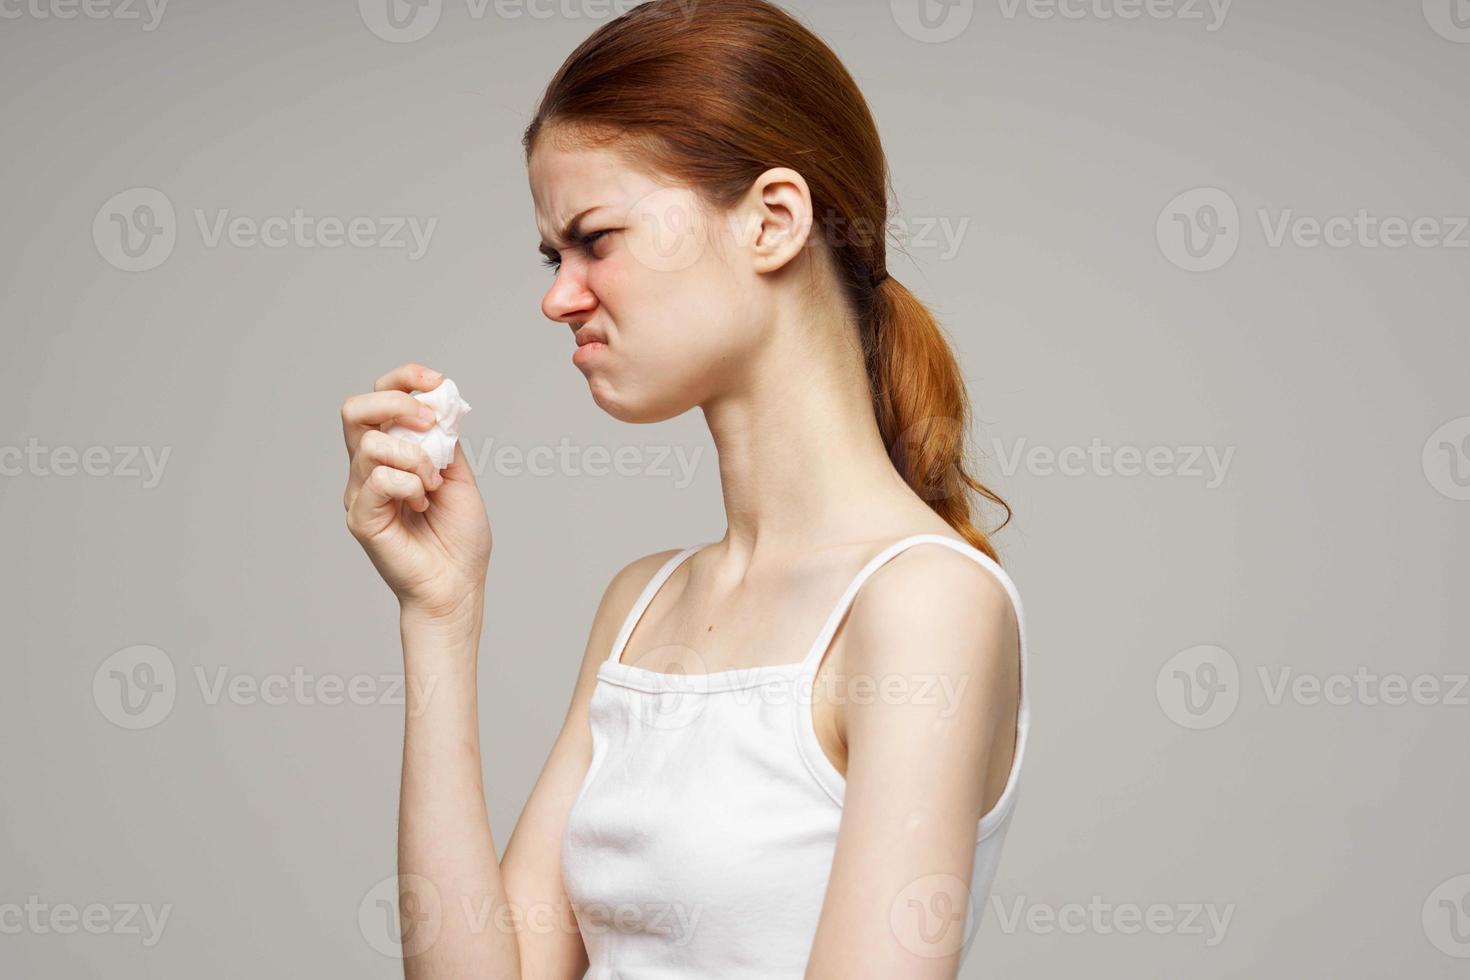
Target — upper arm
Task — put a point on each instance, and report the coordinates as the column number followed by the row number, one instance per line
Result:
column 551, row 945
column 935, row 635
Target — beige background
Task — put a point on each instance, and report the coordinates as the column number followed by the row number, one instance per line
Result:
column 1333, row 542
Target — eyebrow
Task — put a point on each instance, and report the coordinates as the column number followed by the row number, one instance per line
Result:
column 570, row 233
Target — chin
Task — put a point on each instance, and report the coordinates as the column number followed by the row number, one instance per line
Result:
column 627, row 408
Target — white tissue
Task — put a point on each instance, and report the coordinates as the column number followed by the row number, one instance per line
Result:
column 439, row 441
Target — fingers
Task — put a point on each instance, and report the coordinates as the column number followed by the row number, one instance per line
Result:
column 363, row 412
column 380, row 449
column 409, row 377
column 376, row 505
column 458, row 469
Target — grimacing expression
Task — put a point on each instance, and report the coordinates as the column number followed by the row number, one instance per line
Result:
column 648, row 271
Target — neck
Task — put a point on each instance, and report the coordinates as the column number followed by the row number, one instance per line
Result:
column 802, row 462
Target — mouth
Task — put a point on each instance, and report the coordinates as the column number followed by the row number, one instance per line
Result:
column 591, row 342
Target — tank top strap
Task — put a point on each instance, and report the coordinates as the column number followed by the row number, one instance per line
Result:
column 809, row 745
column 646, row 596
column 819, row 647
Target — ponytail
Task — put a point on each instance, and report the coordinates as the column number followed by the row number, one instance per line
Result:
column 923, row 408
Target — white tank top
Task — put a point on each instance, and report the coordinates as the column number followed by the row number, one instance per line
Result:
column 702, row 837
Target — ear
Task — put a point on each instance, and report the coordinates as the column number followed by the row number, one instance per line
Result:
column 776, row 218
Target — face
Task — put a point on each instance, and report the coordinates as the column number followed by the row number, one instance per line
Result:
column 670, row 296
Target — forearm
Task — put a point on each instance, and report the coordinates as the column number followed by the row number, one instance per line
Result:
column 454, row 898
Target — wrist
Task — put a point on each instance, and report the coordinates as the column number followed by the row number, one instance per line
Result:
column 460, row 621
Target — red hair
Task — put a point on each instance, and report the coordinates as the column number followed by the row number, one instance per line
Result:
column 712, row 93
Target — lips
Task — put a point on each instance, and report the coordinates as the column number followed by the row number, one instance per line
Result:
column 587, row 335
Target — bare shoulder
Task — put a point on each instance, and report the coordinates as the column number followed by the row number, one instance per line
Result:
column 617, row 601
column 629, row 581
column 934, row 607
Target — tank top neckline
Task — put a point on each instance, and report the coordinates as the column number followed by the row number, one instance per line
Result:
column 613, row 669
column 642, row 680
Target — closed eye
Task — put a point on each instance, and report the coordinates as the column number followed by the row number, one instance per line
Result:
column 552, row 260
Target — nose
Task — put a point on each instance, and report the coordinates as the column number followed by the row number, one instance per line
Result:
column 568, row 300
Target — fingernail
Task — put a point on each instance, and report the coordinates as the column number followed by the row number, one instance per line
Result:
column 427, row 414
column 430, row 374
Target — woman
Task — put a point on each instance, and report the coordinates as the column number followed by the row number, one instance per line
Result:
column 792, row 751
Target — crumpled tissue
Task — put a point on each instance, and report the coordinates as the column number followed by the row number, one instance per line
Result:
column 449, row 410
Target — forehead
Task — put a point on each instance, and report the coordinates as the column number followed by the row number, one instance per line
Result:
column 567, row 180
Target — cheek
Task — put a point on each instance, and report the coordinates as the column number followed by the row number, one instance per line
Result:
column 676, row 329
column 663, row 362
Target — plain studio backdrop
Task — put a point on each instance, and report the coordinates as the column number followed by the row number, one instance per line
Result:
column 1205, row 269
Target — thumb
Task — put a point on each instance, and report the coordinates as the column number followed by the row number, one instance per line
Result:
column 458, row 470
